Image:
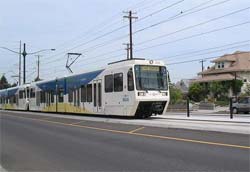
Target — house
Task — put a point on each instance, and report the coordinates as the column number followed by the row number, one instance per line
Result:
column 228, row 67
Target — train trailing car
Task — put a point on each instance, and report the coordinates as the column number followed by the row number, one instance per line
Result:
column 135, row 87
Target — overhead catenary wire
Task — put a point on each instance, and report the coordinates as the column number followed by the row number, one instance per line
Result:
column 92, row 48
column 113, row 31
column 193, row 36
column 198, row 51
column 194, row 60
column 196, row 25
column 181, row 39
column 210, row 52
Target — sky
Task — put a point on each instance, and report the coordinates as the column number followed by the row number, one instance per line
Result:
column 170, row 30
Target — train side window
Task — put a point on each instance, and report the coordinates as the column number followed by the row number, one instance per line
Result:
column 32, row 93
column 118, row 82
column 38, row 98
column 94, row 94
column 70, row 95
column 60, row 95
column 109, row 83
column 20, row 94
column 99, row 94
column 130, row 80
column 52, row 96
column 42, row 97
column 83, row 93
column 89, row 93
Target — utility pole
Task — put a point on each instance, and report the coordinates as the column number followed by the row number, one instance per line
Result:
column 20, row 63
column 38, row 67
column 127, row 49
column 24, row 53
column 202, row 65
column 235, row 79
column 130, row 17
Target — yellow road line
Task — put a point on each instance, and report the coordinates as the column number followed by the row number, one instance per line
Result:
column 79, row 122
column 140, row 134
column 46, row 118
column 138, row 129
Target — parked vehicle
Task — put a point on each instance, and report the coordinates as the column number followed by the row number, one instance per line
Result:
column 242, row 105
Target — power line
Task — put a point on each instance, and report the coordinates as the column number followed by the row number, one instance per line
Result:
column 196, row 25
column 181, row 39
column 188, row 61
column 193, row 36
column 115, row 30
column 102, row 25
column 193, row 52
column 215, row 51
column 179, row 16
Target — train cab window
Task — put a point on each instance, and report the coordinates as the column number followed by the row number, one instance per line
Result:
column 130, row 80
column 89, row 93
column 109, row 83
column 118, row 82
column 83, row 93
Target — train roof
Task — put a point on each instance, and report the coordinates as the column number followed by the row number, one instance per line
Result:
column 139, row 61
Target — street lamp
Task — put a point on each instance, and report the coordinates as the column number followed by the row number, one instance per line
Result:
column 24, row 54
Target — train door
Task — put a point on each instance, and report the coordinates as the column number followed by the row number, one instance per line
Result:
column 97, row 95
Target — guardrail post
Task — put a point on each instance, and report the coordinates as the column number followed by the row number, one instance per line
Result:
column 188, row 110
column 231, row 108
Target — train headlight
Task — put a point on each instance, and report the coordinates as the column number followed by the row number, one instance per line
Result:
column 164, row 94
column 141, row 94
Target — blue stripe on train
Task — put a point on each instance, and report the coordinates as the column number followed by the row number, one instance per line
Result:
column 69, row 82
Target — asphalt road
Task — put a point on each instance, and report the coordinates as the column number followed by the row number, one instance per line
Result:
column 38, row 143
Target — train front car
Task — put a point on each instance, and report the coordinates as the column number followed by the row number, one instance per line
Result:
column 145, row 91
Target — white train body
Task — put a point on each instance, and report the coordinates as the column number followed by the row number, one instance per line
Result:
column 127, row 88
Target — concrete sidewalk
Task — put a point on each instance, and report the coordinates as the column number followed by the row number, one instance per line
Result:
column 208, row 116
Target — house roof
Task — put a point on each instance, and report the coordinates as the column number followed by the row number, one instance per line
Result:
column 240, row 62
column 216, row 77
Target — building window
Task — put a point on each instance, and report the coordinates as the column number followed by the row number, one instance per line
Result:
column 109, row 83
column 89, row 93
column 219, row 65
column 118, row 82
column 245, row 80
column 222, row 65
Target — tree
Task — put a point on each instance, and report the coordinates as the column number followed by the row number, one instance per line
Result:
column 247, row 90
column 237, row 84
column 217, row 89
column 175, row 94
column 4, row 83
column 196, row 92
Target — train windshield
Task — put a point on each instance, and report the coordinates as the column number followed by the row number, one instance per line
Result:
column 151, row 77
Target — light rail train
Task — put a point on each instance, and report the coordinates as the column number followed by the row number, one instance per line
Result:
column 137, row 88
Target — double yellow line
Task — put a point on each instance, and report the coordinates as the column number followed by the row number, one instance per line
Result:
column 133, row 132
